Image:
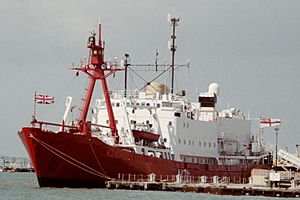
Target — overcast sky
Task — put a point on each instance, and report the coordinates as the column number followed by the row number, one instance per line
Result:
column 250, row 47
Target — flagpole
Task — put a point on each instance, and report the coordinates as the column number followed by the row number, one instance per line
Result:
column 261, row 138
column 276, row 158
column 34, row 108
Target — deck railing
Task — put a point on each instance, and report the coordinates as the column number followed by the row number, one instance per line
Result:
column 181, row 179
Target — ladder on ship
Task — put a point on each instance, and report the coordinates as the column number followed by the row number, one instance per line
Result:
column 290, row 158
column 84, row 96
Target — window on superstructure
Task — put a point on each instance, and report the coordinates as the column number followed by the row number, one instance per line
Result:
column 118, row 104
column 184, row 142
column 166, row 104
column 193, row 142
column 214, row 144
column 200, row 143
column 170, row 123
column 204, row 144
column 107, row 121
column 113, row 104
column 116, row 121
column 147, row 104
column 187, row 125
column 137, row 104
column 209, row 144
column 189, row 142
column 177, row 114
column 143, row 103
column 183, row 124
column 179, row 141
column 158, row 105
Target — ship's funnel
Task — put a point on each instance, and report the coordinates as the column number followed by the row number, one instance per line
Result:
column 155, row 87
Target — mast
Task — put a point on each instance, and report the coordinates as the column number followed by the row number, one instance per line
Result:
column 172, row 46
column 174, row 22
column 126, row 64
column 96, row 71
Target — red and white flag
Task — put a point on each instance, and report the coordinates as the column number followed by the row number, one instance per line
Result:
column 268, row 122
column 44, row 99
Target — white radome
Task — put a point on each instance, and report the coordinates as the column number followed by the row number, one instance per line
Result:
column 156, row 87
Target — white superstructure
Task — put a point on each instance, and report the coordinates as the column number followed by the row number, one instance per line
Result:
column 192, row 132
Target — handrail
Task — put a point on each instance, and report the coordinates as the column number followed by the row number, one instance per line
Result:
column 63, row 125
column 52, row 124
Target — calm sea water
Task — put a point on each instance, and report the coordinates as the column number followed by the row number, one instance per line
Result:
column 25, row 186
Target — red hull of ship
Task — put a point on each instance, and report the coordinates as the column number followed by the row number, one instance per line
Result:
column 69, row 160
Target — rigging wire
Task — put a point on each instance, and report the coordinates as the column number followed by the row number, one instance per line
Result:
column 70, row 159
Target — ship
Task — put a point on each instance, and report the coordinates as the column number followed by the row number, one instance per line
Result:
column 154, row 130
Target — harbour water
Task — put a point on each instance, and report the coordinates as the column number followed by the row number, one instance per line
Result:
column 24, row 186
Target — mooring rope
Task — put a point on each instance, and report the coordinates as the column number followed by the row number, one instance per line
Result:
column 97, row 158
column 56, row 152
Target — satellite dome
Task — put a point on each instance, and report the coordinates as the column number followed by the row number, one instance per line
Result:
column 154, row 87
